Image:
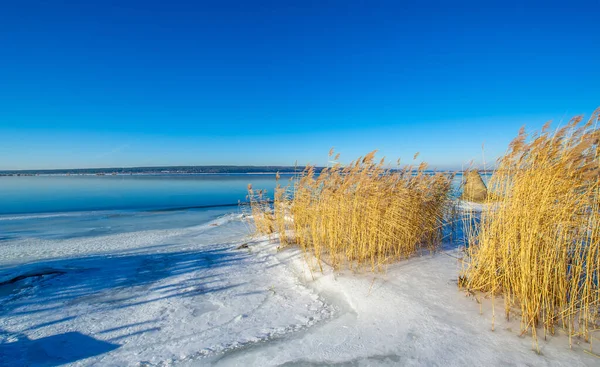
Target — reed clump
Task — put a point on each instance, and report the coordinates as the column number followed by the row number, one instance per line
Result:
column 474, row 188
column 362, row 213
column 538, row 244
column 261, row 211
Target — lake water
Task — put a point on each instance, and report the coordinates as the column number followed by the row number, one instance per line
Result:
column 51, row 194
column 59, row 194
column 61, row 207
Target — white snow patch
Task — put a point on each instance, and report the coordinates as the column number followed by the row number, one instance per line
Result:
column 187, row 297
column 414, row 314
column 152, row 298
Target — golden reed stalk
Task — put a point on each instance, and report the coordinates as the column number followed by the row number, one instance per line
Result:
column 538, row 243
column 359, row 214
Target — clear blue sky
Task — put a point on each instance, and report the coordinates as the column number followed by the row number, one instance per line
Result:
column 118, row 83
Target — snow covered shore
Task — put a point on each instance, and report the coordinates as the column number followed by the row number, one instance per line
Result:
column 209, row 294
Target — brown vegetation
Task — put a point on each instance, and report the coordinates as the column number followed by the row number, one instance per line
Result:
column 474, row 187
column 538, row 244
column 360, row 214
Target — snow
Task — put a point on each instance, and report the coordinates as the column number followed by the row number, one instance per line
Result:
column 188, row 296
column 471, row 206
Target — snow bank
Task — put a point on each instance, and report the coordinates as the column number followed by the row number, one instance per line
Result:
column 188, row 297
column 413, row 314
column 160, row 297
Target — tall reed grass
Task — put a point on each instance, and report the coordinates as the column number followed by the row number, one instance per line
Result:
column 261, row 211
column 538, row 244
column 361, row 214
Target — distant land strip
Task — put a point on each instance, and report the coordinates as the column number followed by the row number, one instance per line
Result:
column 170, row 170
column 158, row 170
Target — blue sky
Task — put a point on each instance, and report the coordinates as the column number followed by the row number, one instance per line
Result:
column 143, row 83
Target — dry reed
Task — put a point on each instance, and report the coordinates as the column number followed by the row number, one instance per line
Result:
column 262, row 214
column 538, row 243
column 362, row 213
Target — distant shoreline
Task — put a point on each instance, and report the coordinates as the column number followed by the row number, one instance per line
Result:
column 155, row 170
column 142, row 174
column 176, row 174
column 176, row 170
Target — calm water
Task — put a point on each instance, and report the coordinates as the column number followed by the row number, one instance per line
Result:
column 51, row 194
column 61, row 207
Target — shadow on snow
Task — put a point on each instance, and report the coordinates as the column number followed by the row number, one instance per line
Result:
column 53, row 350
column 109, row 281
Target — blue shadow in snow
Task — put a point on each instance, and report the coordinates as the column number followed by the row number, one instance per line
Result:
column 117, row 281
column 54, row 350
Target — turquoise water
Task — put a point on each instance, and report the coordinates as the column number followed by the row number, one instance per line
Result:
column 52, row 194
column 61, row 207
column 57, row 194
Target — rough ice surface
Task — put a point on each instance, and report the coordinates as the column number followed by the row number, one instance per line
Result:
column 188, row 296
